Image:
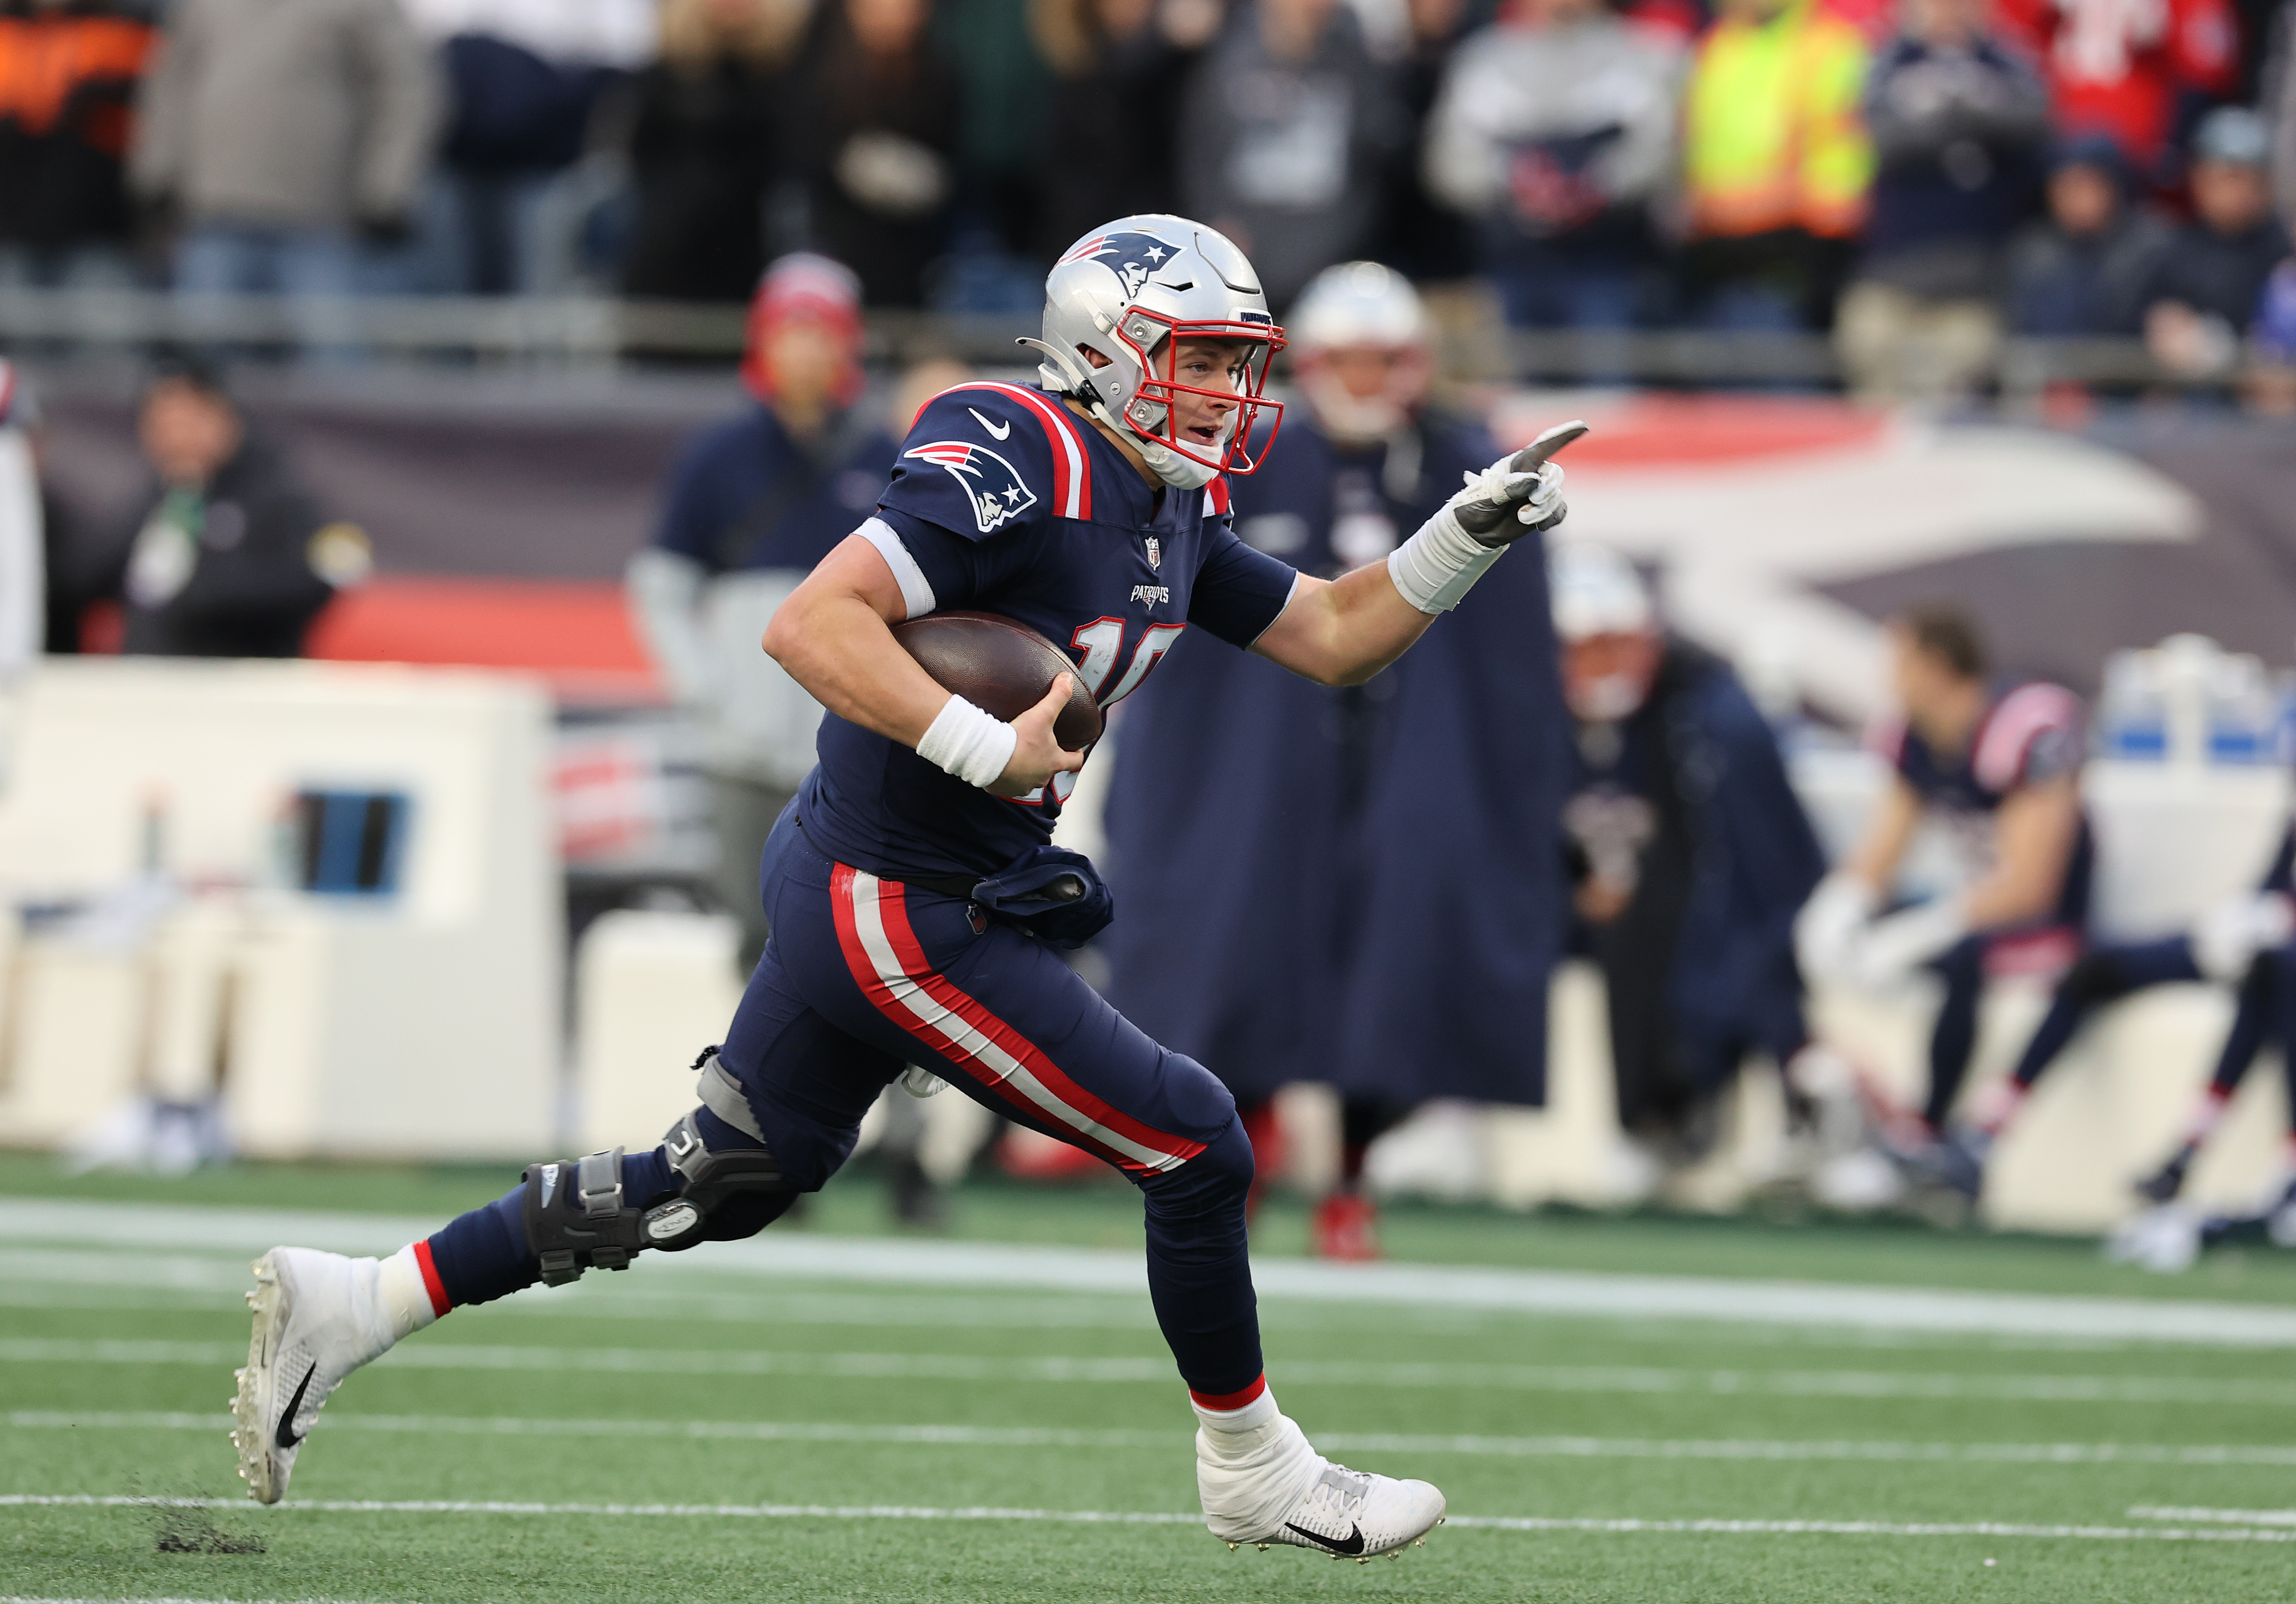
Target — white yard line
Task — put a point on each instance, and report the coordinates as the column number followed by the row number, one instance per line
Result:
column 19, row 1599
column 1500, row 1522
column 974, row 1265
column 1027, row 1437
column 2244, row 1517
column 425, row 1354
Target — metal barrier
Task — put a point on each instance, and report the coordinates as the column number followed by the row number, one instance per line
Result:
column 596, row 331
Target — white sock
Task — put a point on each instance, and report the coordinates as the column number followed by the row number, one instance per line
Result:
column 409, row 1290
column 1233, row 1431
column 1252, row 1465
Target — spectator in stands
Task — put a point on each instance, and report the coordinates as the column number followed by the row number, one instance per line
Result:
column 1287, row 129
column 1421, row 236
column 1004, row 86
column 755, row 504
column 1119, row 66
column 1775, row 165
column 2083, row 269
column 231, row 556
column 1689, row 854
column 284, row 135
column 703, row 148
column 2271, row 387
column 1555, row 131
column 2130, row 72
column 1959, row 124
column 67, row 75
column 2206, row 288
column 871, row 121
column 2278, row 103
column 523, row 83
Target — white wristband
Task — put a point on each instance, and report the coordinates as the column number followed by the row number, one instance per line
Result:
column 968, row 743
column 1439, row 564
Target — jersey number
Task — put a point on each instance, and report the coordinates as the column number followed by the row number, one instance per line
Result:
column 1100, row 641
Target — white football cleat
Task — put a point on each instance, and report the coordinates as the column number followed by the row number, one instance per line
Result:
column 2165, row 1240
column 1283, row 1491
column 1354, row 1515
column 318, row 1317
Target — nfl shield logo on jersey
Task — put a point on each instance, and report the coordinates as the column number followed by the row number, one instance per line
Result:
column 1155, row 551
column 993, row 485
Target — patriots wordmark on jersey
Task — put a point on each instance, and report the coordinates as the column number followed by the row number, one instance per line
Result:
column 1005, row 501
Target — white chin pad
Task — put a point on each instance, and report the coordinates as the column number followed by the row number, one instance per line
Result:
column 1175, row 468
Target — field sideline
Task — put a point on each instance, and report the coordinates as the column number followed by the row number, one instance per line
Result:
column 1645, row 1409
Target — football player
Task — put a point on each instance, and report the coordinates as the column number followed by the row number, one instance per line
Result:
column 913, row 897
column 1384, row 913
column 2002, row 769
column 2247, row 941
column 1690, row 856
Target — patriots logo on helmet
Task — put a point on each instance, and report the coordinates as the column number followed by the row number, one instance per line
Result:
column 1131, row 257
column 994, row 486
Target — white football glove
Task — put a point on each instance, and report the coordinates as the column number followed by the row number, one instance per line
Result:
column 1887, row 952
column 1494, row 509
column 919, row 1082
column 1827, row 925
column 1500, row 505
column 2226, row 939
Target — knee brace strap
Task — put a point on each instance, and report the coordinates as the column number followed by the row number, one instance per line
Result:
column 577, row 1217
column 707, row 1179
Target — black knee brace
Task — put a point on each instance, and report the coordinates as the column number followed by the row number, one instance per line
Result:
column 579, row 1217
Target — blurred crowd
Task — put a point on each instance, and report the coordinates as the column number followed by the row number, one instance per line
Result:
column 1918, row 179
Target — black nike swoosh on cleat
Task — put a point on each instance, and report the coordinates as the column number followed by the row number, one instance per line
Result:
column 1354, row 1544
column 286, row 1439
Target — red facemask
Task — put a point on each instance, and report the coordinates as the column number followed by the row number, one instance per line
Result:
column 1143, row 333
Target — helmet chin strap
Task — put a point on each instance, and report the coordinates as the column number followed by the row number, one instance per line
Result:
column 1175, row 468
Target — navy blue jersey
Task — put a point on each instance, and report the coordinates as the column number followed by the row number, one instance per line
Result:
column 2029, row 734
column 747, row 495
column 1004, row 501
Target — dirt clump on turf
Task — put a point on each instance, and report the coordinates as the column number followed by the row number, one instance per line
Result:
column 189, row 1527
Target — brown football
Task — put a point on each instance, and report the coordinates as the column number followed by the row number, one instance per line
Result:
column 1001, row 666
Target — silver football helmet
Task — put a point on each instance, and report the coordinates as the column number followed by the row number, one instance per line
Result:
column 1362, row 306
column 1130, row 292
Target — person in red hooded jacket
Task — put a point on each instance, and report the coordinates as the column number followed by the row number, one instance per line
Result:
column 2130, row 70
column 757, row 501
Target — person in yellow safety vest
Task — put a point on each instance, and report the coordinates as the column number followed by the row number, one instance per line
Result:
column 1776, row 162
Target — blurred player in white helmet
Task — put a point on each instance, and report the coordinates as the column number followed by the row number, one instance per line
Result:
column 909, row 885
column 1689, row 855
column 1380, row 833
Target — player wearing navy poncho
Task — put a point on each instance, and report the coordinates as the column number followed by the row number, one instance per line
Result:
column 1376, row 902
column 898, row 885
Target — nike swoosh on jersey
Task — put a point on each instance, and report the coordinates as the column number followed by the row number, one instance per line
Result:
column 1353, row 1544
column 1000, row 431
column 287, row 1439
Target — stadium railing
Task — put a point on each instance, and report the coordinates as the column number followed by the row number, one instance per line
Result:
column 591, row 330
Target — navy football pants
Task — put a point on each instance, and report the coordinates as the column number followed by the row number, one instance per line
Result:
column 2268, row 1004
column 863, row 977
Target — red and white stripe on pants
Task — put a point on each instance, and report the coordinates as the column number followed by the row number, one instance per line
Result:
column 890, row 966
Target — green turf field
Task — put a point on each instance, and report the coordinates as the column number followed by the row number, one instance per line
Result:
column 1636, row 1408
